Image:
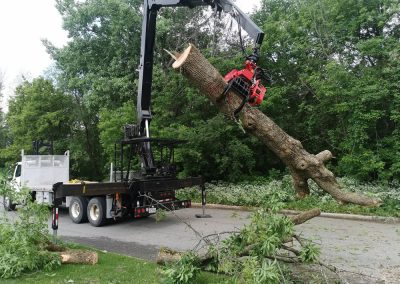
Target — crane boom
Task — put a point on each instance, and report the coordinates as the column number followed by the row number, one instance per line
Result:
column 150, row 10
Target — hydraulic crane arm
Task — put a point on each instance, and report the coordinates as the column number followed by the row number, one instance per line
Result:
column 150, row 10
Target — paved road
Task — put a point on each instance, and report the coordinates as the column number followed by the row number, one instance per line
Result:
column 362, row 247
column 144, row 237
column 365, row 247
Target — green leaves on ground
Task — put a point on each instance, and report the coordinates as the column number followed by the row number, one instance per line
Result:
column 309, row 253
column 255, row 254
column 182, row 272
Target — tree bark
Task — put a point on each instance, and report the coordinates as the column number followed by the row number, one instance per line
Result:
column 79, row 257
column 305, row 216
column 302, row 165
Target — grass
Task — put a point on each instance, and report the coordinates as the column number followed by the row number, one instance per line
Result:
column 112, row 268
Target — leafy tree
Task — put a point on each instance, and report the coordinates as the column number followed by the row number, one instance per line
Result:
column 97, row 68
column 100, row 60
column 3, row 129
column 332, row 65
column 111, row 124
column 38, row 112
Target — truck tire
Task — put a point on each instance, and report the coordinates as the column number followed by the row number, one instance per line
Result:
column 96, row 211
column 78, row 209
column 8, row 205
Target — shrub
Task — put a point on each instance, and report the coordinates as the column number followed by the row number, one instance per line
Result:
column 24, row 236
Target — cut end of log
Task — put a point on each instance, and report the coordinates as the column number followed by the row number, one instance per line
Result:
column 182, row 57
column 166, row 256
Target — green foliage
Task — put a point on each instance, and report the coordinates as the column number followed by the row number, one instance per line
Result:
column 3, row 126
column 267, row 230
column 98, row 69
column 309, row 253
column 260, row 272
column 265, row 234
column 184, row 271
column 276, row 194
column 23, row 238
column 267, row 273
column 250, row 255
column 161, row 214
column 214, row 150
column 38, row 111
column 333, row 65
column 111, row 124
column 257, row 193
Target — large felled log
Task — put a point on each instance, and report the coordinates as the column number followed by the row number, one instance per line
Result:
column 301, row 164
column 79, row 257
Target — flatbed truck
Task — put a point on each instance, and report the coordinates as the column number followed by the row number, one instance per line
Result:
column 153, row 186
column 128, row 193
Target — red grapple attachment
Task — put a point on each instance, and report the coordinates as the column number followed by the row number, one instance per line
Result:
column 246, row 84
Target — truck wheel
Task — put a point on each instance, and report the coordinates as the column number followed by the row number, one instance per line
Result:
column 96, row 211
column 78, row 209
column 8, row 205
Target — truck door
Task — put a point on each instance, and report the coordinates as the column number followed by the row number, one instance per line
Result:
column 17, row 177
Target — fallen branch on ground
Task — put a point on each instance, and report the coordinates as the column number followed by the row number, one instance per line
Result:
column 305, row 216
column 167, row 255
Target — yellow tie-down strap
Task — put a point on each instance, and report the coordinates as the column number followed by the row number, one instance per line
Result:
column 83, row 182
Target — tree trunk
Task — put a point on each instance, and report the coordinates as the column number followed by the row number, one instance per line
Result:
column 302, row 165
column 79, row 257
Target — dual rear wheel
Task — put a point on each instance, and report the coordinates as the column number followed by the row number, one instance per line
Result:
column 82, row 209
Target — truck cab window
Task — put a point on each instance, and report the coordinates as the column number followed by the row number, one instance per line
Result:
column 18, row 171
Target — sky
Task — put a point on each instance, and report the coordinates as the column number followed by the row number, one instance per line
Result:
column 23, row 24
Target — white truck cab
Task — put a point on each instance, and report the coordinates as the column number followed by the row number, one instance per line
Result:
column 38, row 173
column 17, row 176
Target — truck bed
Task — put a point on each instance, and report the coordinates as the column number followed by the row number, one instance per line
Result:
column 139, row 185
